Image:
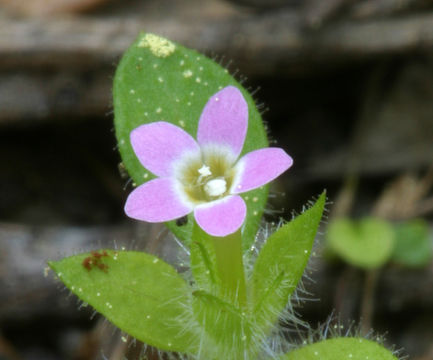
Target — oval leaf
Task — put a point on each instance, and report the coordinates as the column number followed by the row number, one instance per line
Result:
column 367, row 243
column 341, row 348
column 137, row 292
column 158, row 80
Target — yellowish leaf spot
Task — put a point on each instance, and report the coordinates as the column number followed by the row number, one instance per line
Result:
column 157, row 45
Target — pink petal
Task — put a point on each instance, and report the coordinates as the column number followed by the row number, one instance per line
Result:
column 158, row 145
column 224, row 120
column 157, row 200
column 221, row 217
column 260, row 167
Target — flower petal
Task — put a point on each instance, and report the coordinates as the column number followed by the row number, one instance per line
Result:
column 157, row 200
column 221, row 217
column 259, row 167
column 224, row 120
column 158, row 145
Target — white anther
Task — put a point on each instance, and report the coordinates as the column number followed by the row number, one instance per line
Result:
column 216, row 187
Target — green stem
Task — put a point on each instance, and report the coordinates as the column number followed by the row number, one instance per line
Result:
column 230, row 268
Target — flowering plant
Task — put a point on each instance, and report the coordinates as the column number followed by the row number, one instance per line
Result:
column 229, row 304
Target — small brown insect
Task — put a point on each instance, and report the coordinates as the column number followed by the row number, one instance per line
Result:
column 88, row 262
column 95, row 260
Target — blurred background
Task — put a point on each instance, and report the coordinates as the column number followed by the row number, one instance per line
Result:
column 345, row 86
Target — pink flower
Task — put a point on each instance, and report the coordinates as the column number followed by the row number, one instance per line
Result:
column 202, row 176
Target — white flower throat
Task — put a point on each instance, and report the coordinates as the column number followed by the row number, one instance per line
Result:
column 207, row 176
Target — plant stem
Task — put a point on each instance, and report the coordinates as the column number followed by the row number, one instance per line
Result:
column 230, row 268
column 367, row 305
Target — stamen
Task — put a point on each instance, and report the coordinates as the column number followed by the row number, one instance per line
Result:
column 216, row 187
column 204, row 171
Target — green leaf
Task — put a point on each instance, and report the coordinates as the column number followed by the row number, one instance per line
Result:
column 413, row 245
column 227, row 331
column 281, row 263
column 203, row 262
column 367, row 243
column 341, row 348
column 160, row 80
column 137, row 292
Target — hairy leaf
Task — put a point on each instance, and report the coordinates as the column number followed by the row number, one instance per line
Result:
column 282, row 261
column 137, row 292
column 227, row 331
column 341, row 348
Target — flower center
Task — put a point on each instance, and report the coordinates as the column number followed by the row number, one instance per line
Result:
column 207, row 176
